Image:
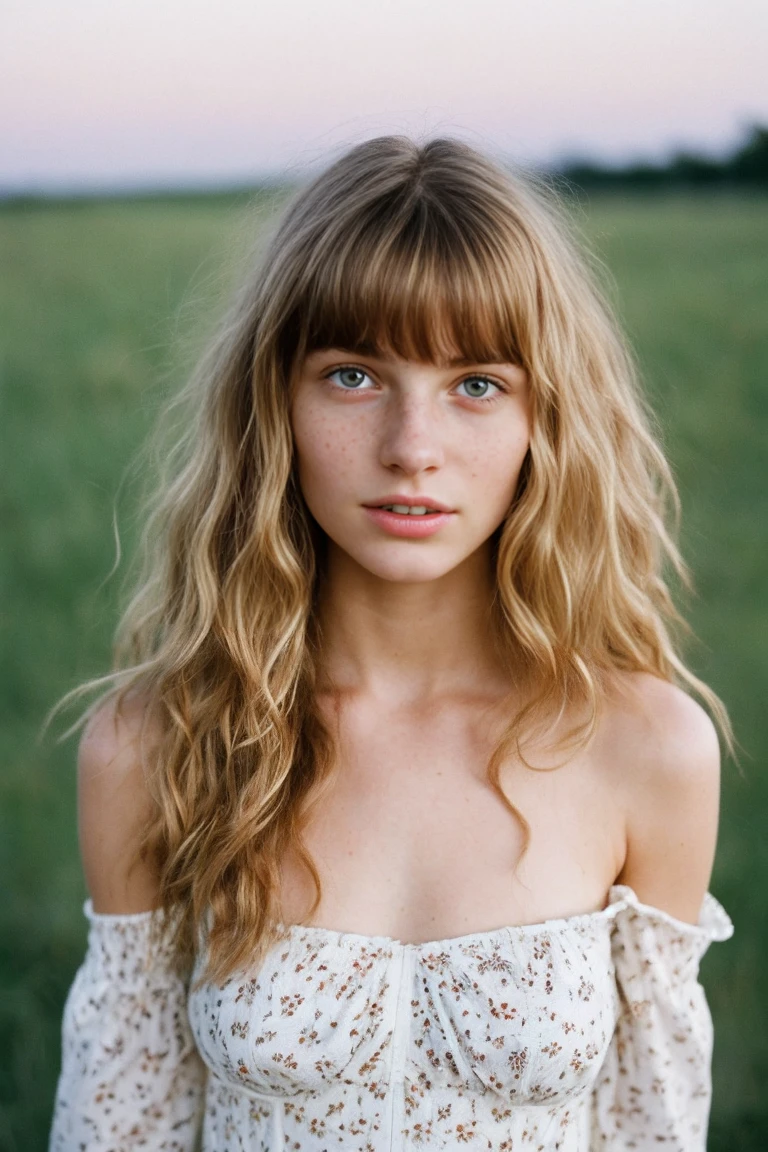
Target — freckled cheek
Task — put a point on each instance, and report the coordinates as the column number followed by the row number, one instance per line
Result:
column 495, row 465
column 332, row 460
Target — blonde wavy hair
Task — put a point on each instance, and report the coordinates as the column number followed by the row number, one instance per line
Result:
column 409, row 248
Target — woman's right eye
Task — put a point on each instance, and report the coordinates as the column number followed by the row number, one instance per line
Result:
column 350, row 378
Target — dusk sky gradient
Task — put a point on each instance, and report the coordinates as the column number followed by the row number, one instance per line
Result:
column 163, row 92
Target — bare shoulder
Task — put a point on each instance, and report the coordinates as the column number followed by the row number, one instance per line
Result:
column 662, row 752
column 660, row 728
column 114, row 804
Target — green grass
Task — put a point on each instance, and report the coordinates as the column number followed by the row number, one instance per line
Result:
column 99, row 304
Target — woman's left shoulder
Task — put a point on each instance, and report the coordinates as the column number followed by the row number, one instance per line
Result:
column 663, row 734
column 664, row 758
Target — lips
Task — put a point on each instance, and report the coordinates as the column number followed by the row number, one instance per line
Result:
column 410, row 501
column 410, row 525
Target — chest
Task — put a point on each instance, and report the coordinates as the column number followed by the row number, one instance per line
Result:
column 412, row 841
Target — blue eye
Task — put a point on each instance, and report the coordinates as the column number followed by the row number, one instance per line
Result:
column 482, row 382
column 349, row 385
column 351, row 378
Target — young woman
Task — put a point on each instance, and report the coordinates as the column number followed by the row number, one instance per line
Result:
column 398, row 818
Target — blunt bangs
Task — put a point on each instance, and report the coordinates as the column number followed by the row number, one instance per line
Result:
column 413, row 280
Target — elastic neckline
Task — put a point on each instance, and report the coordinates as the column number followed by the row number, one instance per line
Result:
column 339, row 935
column 117, row 917
column 714, row 923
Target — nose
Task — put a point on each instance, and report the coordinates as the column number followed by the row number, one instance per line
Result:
column 412, row 436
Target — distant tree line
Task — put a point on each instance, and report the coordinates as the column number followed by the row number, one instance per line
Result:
column 746, row 167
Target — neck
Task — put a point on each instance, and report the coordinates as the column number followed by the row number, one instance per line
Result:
column 408, row 641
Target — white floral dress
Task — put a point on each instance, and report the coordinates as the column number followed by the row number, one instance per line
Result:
column 581, row 1034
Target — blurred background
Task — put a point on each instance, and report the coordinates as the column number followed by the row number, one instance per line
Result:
column 143, row 146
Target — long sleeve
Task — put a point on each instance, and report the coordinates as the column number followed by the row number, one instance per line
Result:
column 131, row 1076
column 654, row 1088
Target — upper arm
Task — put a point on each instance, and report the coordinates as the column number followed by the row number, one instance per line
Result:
column 114, row 808
column 671, row 787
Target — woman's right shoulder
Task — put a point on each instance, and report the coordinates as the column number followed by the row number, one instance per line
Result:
column 115, row 805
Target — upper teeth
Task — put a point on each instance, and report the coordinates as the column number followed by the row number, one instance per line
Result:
column 408, row 509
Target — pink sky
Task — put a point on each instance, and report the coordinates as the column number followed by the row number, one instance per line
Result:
column 99, row 92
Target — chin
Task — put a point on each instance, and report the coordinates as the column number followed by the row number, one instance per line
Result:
column 416, row 569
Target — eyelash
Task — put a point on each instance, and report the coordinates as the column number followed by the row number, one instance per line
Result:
column 474, row 376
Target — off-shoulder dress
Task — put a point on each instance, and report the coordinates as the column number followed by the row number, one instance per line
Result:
column 589, row 1033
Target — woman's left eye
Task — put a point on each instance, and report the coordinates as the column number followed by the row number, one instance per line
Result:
column 478, row 386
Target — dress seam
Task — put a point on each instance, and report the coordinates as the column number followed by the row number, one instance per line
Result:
column 399, row 1045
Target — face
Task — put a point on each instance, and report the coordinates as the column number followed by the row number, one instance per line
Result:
column 373, row 431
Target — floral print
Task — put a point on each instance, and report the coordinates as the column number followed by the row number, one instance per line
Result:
column 580, row 1034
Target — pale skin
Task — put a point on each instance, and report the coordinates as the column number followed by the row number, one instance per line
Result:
column 409, row 838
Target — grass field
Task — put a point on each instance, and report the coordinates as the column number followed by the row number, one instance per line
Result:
column 99, row 306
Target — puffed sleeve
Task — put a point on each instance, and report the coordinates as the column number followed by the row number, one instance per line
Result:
column 654, row 1089
column 131, row 1076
